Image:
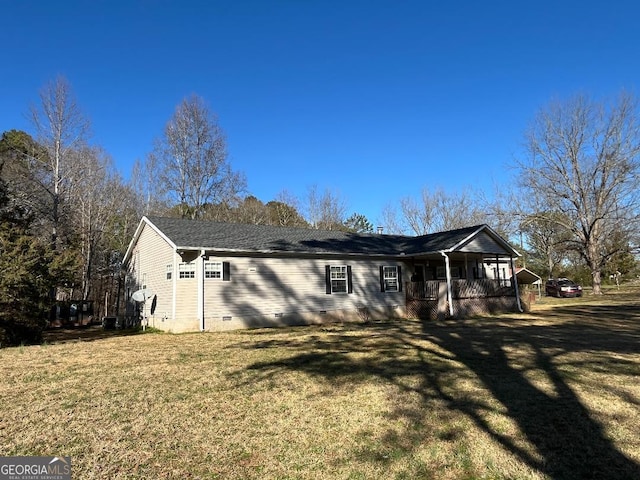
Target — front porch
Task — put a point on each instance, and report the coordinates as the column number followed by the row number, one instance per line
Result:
column 436, row 299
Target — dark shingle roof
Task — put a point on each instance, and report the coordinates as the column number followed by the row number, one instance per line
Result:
column 199, row 234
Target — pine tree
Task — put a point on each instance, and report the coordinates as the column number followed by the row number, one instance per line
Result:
column 29, row 271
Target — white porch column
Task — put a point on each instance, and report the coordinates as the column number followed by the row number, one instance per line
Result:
column 448, row 274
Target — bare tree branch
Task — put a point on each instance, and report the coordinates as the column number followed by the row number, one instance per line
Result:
column 191, row 160
column 61, row 129
column 582, row 161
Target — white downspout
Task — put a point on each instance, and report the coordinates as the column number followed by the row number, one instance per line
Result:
column 200, row 274
column 448, row 273
column 515, row 281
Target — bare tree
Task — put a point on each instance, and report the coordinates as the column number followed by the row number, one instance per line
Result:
column 581, row 158
column 390, row 220
column 501, row 211
column 61, row 129
column 191, row 162
column 91, row 194
column 142, row 181
column 546, row 240
column 327, row 210
column 434, row 212
column 284, row 211
column 219, row 212
column 252, row 211
column 125, row 209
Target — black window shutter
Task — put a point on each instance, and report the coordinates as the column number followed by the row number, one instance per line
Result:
column 349, row 282
column 226, row 272
column 327, row 278
column 399, row 278
column 381, row 278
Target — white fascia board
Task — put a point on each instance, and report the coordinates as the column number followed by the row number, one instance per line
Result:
column 133, row 241
column 492, row 233
column 159, row 232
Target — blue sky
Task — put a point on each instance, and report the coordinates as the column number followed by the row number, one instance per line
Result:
column 373, row 99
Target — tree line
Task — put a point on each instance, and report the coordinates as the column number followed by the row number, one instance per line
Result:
column 68, row 215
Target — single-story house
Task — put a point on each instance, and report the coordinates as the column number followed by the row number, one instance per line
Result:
column 190, row 275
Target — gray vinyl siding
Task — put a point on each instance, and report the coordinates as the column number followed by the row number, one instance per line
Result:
column 154, row 254
column 187, row 299
column 264, row 287
column 484, row 243
column 269, row 287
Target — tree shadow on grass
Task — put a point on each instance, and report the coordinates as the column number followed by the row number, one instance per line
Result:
column 567, row 441
column 572, row 444
column 84, row 334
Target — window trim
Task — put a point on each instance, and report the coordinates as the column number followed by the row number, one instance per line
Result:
column 383, row 278
column 212, row 271
column 185, row 273
column 329, row 280
column 169, row 271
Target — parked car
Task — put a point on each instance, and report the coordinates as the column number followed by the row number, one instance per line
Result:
column 562, row 287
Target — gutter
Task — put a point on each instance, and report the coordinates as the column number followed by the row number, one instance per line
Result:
column 288, row 253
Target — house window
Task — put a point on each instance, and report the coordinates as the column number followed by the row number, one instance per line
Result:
column 169, row 271
column 212, row 269
column 390, row 280
column 441, row 272
column 187, row 270
column 338, row 279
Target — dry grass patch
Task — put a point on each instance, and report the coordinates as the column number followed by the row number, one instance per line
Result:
column 552, row 394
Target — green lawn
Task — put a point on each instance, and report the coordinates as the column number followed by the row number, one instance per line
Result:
column 551, row 394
